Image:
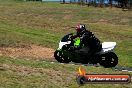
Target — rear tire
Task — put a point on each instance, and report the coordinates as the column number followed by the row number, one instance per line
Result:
column 109, row 60
column 59, row 56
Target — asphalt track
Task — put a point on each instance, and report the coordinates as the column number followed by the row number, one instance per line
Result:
column 117, row 68
column 122, row 68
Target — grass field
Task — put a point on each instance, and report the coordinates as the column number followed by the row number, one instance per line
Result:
column 42, row 24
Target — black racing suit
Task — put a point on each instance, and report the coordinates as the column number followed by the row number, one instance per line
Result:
column 89, row 43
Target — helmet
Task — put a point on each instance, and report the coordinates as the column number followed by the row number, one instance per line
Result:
column 80, row 28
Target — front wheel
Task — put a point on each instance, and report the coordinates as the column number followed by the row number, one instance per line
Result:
column 60, row 57
column 109, row 60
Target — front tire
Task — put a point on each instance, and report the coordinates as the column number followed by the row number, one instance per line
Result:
column 109, row 60
column 60, row 57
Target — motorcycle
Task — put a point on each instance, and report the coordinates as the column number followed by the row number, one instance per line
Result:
column 105, row 57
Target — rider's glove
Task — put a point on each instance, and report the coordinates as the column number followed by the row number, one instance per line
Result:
column 72, row 37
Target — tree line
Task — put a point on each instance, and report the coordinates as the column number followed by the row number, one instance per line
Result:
column 101, row 3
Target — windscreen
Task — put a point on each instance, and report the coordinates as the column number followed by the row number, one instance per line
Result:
column 65, row 38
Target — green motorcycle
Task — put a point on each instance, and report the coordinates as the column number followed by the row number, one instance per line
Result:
column 106, row 57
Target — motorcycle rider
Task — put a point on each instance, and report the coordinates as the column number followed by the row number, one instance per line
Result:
column 89, row 43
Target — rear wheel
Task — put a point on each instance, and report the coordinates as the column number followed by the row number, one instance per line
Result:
column 109, row 60
column 60, row 57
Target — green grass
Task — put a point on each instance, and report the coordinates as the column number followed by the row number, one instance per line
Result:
column 26, row 23
column 29, row 73
column 18, row 36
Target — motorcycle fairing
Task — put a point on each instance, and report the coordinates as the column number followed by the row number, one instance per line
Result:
column 77, row 42
column 108, row 46
column 61, row 44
